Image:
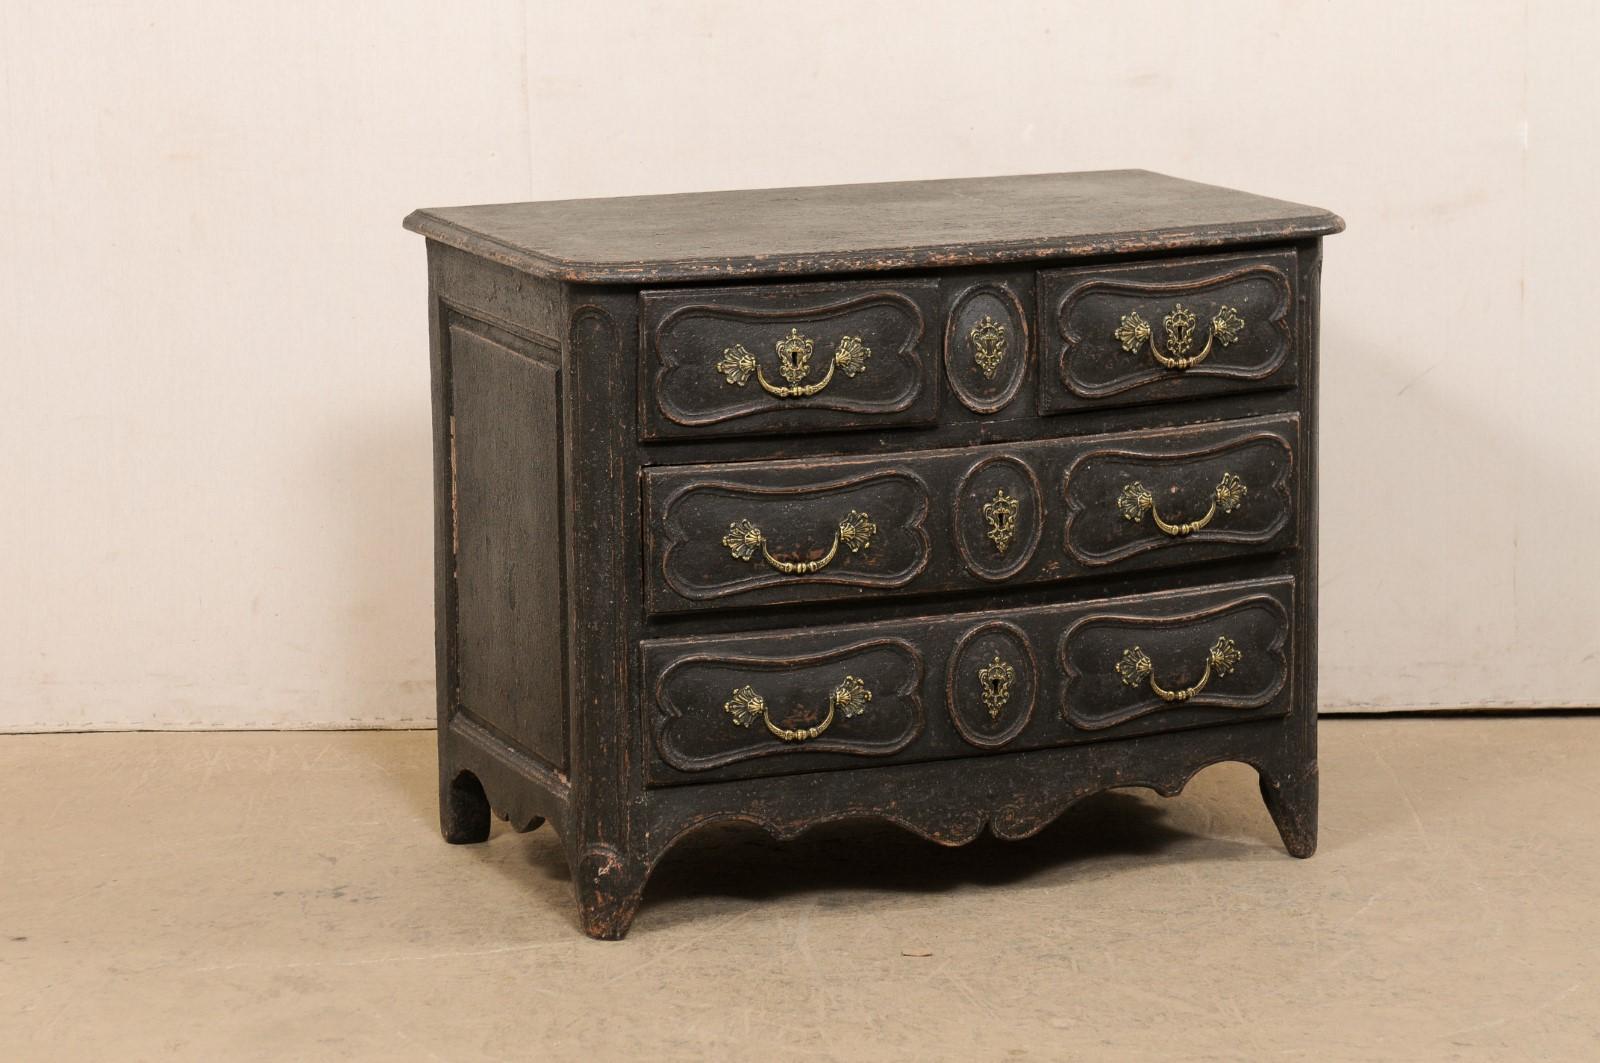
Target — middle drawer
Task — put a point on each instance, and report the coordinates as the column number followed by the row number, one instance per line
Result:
column 762, row 533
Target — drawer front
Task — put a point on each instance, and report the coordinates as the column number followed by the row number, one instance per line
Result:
column 783, row 358
column 860, row 697
column 785, row 531
column 1131, row 660
column 1167, row 331
column 1186, row 495
column 762, row 533
column 968, row 684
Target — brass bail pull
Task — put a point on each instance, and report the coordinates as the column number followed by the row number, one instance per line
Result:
column 1178, row 324
column 849, row 699
column 794, row 365
column 745, row 540
column 1136, row 500
column 1136, row 668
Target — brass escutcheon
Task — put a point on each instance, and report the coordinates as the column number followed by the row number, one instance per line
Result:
column 1001, row 514
column 994, row 680
column 988, row 338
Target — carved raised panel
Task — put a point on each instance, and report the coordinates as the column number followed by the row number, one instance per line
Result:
column 1238, row 484
column 506, row 452
column 704, row 717
column 999, row 517
column 784, row 357
column 724, row 537
column 991, row 684
column 1229, row 656
column 986, row 348
column 1235, row 309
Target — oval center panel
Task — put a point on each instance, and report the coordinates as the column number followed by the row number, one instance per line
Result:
column 986, row 348
column 991, row 685
column 998, row 517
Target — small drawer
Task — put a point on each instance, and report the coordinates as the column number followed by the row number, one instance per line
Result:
column 968, row 684
column 1166, row 331
column 764, row 533
column 1179, row 495
column 760, row 699
column 787, row 357
column 1157, row 662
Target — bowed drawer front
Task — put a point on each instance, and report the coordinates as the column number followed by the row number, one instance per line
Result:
column 778, row 358
column 820, row 699
column 805, row 531
column 1180, row 495
column 1168, row 330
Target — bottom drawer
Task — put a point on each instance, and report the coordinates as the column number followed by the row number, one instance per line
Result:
column 848, row 696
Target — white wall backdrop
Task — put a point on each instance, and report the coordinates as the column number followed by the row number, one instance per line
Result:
column 214, row 493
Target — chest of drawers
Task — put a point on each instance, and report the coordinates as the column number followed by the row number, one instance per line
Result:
column 947, row 503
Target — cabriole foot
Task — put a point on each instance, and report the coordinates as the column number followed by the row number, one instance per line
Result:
column 609, row 886
column 1291, row 798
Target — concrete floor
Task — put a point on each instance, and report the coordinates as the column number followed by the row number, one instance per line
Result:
column 286, row 896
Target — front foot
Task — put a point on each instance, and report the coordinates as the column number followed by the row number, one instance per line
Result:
column 1291, row 798
column 609, row 886
column 463, row 810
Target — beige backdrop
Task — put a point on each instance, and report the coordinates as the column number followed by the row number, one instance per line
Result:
column 214, row 489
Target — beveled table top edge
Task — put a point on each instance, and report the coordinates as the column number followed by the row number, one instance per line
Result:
column 829, row 229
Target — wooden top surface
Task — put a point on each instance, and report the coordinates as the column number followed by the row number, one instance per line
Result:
column 851, row 228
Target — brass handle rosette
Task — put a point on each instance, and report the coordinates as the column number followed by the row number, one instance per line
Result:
column 794, row 364
column 1136, row 668
column 745, row 540
column 1136, row 500
column 1178, row 325
column 849, row 698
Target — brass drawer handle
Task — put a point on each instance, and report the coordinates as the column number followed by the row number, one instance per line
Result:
column 1179, row 327
column 744, row 539
column 1136, row 500
column 794, row 362
column 1136, row 667
column 849, row 697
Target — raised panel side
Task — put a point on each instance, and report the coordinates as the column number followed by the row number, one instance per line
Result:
column 507, row 534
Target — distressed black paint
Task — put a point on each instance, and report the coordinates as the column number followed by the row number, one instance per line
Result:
column 591, row 625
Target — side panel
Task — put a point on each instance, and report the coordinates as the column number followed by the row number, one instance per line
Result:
column 499, row 582
column 506, row 417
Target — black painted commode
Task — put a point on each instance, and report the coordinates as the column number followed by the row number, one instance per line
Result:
column 947, row 503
